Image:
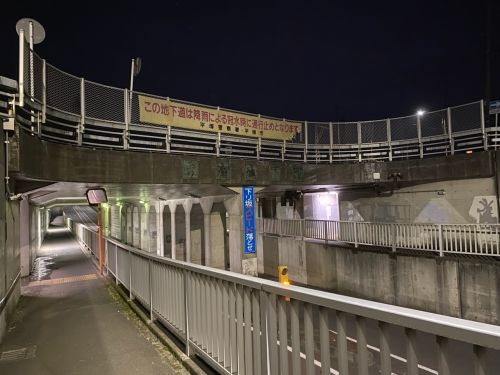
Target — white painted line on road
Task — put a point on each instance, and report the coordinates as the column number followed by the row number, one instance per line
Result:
column 374, row 348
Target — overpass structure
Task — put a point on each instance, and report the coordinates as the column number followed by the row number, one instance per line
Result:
column 174, row 172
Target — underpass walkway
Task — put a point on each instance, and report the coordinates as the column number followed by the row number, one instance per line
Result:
column 69, row 321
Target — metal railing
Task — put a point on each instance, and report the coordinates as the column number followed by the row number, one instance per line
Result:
column 246, row 325
column 472, row 239
column 75, row 110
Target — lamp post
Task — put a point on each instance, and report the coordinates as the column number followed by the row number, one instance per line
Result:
column 134, row 71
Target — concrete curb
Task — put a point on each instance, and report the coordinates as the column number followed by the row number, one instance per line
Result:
column 186, row 361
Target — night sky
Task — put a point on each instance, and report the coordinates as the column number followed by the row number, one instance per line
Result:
column 316, row 60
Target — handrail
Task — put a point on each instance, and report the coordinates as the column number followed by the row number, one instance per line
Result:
column 471, row 239
column 440, row 132
column 237, row 322
column 5, row 299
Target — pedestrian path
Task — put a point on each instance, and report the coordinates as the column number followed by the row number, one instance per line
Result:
column 70, row 322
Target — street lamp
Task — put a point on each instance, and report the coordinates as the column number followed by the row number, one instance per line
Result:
column 420, row 112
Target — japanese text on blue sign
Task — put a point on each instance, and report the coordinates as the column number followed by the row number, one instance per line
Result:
column 248, row 220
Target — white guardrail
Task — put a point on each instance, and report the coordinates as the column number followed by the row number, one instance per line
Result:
column 245, row 325
column 474, row 239
column 61, row 107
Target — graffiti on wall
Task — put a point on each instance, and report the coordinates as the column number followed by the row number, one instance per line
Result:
column 484, row 209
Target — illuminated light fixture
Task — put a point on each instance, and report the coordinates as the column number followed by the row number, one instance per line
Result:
column 468, row 152
column 420, row 112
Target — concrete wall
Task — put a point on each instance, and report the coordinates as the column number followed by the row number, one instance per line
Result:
column 458, row 201
column 48, row 161
column 462, row 287
column 9, row 246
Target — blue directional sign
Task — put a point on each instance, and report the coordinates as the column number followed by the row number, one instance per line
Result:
column 248, row 199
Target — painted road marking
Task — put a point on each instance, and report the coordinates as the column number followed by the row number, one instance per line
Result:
column 374, row 348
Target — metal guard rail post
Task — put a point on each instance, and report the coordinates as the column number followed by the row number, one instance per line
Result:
column 232, row 320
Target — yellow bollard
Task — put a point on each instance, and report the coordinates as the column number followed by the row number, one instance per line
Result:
column 283, row 278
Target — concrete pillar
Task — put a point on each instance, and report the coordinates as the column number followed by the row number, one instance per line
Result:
column 234, row 210
column 160, row 250
column 187, row 205
column 206, row 206
column 172, row 206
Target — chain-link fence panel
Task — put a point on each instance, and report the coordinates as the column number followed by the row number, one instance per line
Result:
column 345, row 133
column 318, row 133
column 38, row 77
column 434, row 123
column 374, row 131
column 63, row 91
column 104, row 102
column 404, row 128
column 466, row 117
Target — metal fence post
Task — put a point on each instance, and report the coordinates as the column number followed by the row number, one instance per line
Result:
column 44, row 92
column 264, row 337
column 185, row 274
column 483, row 128
column 168, row 139
column 217, row 145
column 21, row 68
column 306, row 142
column 259, row 146
column 131, row 297
column 440, row 234
column 330, row 131
column 389, row 138
column 355, row 234
column 419, row 134
column 150, row 271
column 116, row 266
column 325, row 225
column 450, row 135
column 81, row 126
column 393, row 236
column 280, row 229
column 360, row 139
column 127, row 119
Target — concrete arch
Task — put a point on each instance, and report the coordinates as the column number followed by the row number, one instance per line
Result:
column 197, row 235
column 144, row 219
column 123, row 224
column 180, row 233
column 219, row 241
column 136, row 227
column 130, row 231
column 167, row 235
column 152, row 229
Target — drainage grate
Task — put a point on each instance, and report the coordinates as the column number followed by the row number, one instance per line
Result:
column 64, row 280
column 18, row 354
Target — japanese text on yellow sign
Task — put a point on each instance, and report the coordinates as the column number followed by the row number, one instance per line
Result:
column 189, row 116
